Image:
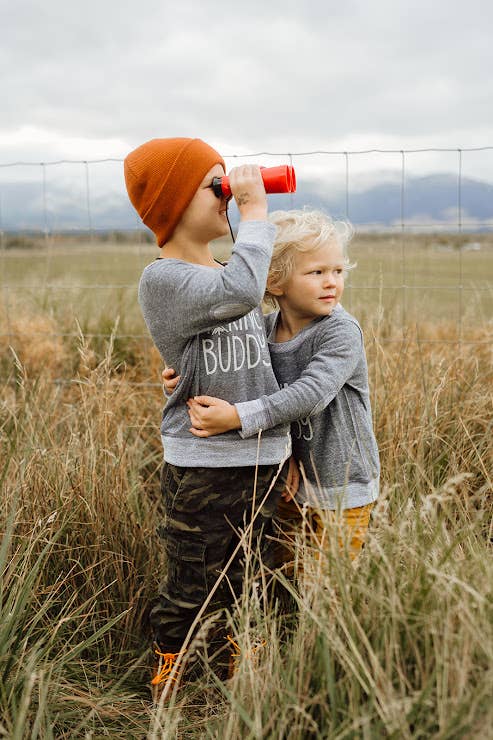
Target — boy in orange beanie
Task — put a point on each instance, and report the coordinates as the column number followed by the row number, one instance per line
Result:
column 205, row 320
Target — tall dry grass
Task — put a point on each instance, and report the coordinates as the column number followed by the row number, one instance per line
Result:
column 399, row 647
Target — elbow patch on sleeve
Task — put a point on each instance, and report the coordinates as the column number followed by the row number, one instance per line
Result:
column 230, row 310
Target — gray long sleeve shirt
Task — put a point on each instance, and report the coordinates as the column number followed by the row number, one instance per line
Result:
column 207, row 325
column 323, row 374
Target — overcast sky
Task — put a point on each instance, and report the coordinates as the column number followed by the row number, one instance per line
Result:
column 96, row 78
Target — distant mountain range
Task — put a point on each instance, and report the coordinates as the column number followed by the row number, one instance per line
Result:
column 427, row 200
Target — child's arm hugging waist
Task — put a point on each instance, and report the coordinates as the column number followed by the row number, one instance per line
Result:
column 330, row 367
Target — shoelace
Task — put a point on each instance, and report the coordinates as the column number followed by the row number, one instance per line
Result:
column 169, row 659
column 235, row 656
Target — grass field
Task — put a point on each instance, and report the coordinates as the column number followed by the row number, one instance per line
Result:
column 400, row 647
column 79, row 280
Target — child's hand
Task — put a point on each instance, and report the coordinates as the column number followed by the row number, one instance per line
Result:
column 248, row 190
column 170, row 380
column 292, row 482
column 211, row 416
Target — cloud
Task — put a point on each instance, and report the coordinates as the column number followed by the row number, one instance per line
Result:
column 278, row 76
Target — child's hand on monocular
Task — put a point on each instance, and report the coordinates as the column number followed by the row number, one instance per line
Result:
column 170, row 380
column 210, row 416
column 248, row 191
column 292, row 481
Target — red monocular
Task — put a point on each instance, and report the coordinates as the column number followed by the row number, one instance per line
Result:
column 280, row 179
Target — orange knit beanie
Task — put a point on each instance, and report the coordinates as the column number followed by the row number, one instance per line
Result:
column 162, row 176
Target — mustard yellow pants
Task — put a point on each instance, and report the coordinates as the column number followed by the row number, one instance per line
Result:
column 320, row 530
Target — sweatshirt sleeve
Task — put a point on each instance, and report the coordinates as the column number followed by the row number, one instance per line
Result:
column 331, row 366
column 196, row 298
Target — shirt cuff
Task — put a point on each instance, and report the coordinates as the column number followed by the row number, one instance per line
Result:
column 253, row 417
column 261, row 233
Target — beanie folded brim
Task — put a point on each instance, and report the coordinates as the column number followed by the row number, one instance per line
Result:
column 162, row 177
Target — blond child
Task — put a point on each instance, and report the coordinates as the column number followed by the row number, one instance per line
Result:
column 318, row 357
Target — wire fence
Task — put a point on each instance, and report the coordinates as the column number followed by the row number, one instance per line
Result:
column 344, row 166
column 347, row 170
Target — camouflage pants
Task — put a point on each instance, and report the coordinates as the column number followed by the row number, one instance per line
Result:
column 206, row 511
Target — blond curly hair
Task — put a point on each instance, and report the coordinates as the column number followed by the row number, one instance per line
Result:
column 302, row 230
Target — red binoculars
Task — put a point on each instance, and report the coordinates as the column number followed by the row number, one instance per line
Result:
column 276, row 180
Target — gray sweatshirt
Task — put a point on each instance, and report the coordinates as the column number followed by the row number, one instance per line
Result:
column 207, row 325
column 324, row 379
